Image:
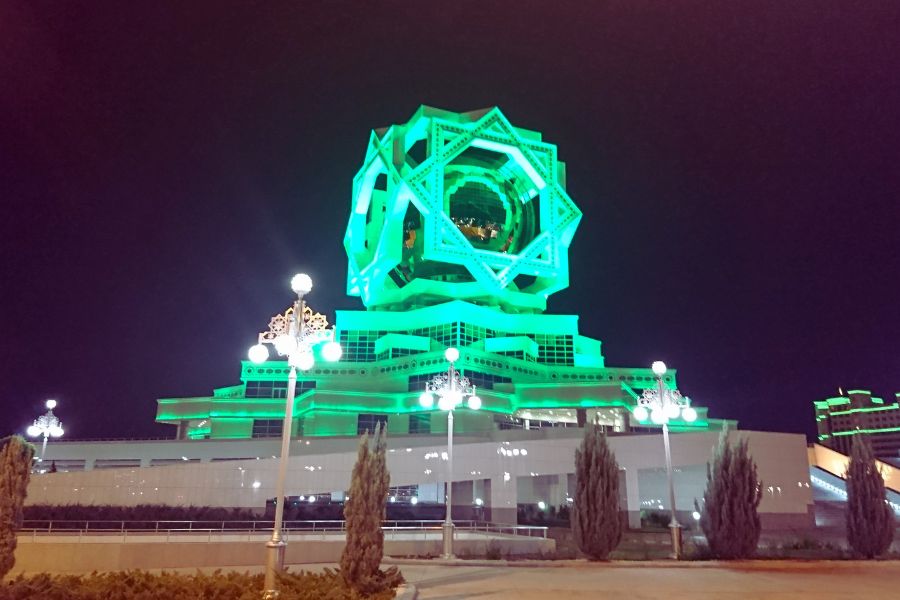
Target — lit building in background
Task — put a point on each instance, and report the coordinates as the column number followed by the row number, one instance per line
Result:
column 858, row 413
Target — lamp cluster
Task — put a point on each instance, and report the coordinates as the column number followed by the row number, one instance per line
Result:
column 451, row 388
column 298, row 343
column 660, row 410
column 47, row 424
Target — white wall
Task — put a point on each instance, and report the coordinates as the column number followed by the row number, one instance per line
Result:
column 324, row 466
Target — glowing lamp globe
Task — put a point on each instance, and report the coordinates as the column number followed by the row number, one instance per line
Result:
column 56, row 431
column 452, row 355
column 426, row 400
column 258, row 354
column 51, row 404
column 303, row 361
column 659, row 368
column 301, row 284
column 285, row 344
column 689, row 414
column 455, row 398
column 658, row 416
column 332, row 352
column 641, row 414
column 474, row 403
column 33, row 430
column 672, row 411
column 444, row 403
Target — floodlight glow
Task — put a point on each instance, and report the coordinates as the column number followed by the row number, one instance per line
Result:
column 658, row 416
column 640, row 413
column 258, row 354
column 696, row 515
column 33, row 430
column 332, row 351
column 689, row 414
column 301, row 283
column 426, row 400
column 311, row 499
column 285, row 344
column 303, row 360
column 51, row 404
column 479, row 502
column 452, row 354
column 542, row 505
column 672, row 411
column 454, row 397
column 474, row 403
column 659, row 368
column 257, row 485
column 413, row 500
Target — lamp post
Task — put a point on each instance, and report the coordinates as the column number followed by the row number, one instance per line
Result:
column 296, row 343
column 452, row 389
column 47, row 425
column 661, row 405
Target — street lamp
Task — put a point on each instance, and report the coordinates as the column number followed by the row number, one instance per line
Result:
column 452, row 389
column 47, row 425
column 661, row 405
column 295, row 340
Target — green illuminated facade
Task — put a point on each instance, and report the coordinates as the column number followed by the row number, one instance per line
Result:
column 459, row 232
column 841, row 418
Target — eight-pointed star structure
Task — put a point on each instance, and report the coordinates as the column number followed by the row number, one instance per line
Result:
column 459, row 206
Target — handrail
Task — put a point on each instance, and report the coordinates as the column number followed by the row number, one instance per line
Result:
column 83, row 526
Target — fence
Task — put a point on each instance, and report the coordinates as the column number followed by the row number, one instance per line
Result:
column 138, row 529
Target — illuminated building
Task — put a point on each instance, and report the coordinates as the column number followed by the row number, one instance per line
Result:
column 459, row 231
column 859, row 413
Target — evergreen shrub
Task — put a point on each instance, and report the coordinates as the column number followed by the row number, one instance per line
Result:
column 15, row 470
column 729, row 517
column 140, row 585
column 870, row 519
column 596, row 524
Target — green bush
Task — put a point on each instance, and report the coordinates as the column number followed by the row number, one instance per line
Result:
column 870, row 519
column 141, row 512
column 140, row 585
column 364, row 512
column 15, row 470
column 729, row 516
column 595, row 521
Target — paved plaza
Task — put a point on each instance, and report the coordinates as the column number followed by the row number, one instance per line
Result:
column 820, row 580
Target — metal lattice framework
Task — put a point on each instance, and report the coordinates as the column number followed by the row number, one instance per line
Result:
column 315, row 327
column 459, row 206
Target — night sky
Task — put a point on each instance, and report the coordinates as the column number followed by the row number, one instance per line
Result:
column 165, row 169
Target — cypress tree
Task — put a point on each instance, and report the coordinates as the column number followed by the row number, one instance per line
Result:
column 870, row 519
column 15, row 470
column 364, row 512
column 729, row 516
column 596, row 524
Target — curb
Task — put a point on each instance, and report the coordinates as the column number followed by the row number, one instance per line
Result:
column 407, row 591
column 753, row 564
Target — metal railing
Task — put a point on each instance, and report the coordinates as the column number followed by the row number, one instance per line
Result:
column 91, row 527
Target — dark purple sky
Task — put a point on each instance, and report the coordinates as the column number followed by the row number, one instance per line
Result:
column 165, row 169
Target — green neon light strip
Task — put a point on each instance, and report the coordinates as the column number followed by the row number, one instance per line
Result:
column 859, row 391
column 856, row 431
column 865, row 410
column 824, row 404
